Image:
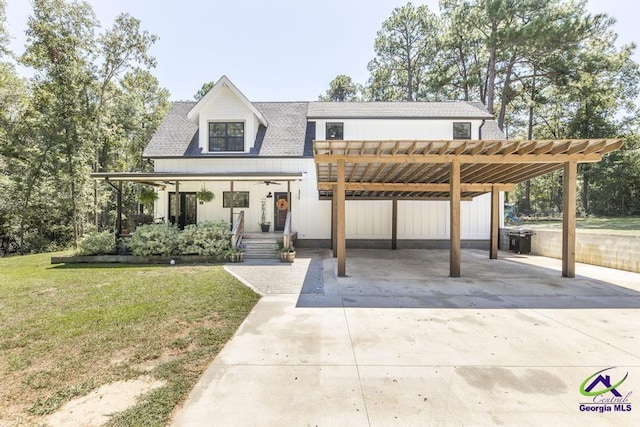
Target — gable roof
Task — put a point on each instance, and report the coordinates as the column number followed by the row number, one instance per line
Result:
column 175, row 134
column 398, row 110
column 223, row 82
column 291, row 130
column 286, row 135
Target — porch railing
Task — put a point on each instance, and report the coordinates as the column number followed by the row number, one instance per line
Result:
column 238, row 231
column 287, row 235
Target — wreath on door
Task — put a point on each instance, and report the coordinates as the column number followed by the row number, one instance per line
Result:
column 282, row 204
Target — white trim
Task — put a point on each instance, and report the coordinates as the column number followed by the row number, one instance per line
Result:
column 194, row 113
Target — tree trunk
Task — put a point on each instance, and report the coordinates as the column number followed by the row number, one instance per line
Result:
column 491, row 74
column 505, row 92
column 72, row 179
column 527, row 188
column 585, row 189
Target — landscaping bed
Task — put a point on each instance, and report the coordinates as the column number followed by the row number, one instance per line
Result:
column 132, row 259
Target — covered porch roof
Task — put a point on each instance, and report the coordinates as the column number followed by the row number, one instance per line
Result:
column 452, row 170
column 161, row 179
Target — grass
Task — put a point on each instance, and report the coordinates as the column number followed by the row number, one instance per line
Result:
column 66, row 330
column 626, row 225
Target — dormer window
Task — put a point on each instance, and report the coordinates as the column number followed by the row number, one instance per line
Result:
column 226, row 136
column 335, row 130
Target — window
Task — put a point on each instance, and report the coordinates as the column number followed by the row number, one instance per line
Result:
column 462, row 130
column 240, row 199
column 226, row 136
column 335, row 130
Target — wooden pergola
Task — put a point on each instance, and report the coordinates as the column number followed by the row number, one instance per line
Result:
column 452, row 170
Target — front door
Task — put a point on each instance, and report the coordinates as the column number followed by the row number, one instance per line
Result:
column 280, row 209
column 188, row 209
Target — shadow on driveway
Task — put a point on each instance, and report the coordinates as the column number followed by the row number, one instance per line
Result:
column 419, row 279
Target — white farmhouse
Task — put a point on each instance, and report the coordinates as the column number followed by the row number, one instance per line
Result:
column 347, row 174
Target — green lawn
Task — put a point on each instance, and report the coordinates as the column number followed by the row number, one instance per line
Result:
column 627, row 225
column 66, row 330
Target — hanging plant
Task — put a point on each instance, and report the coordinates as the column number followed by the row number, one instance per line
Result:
column 205, row 195
column 148, row 196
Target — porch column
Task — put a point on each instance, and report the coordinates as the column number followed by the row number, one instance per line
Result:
column 495, row 222
column 454, row 235
column 231, row 203
column 340, row 219
column 334, row 225
column 569, row 180
column 176, row 218
column 288, row 196
column 394, row 224
column 119, row 209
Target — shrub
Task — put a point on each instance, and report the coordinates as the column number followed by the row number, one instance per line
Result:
column 154, row 239
column 209, row 238
column 97, row 244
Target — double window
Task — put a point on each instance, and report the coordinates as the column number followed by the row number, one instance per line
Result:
column 240, row 199
column 226, row 136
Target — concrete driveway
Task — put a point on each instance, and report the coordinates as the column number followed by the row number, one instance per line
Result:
column 398, row 343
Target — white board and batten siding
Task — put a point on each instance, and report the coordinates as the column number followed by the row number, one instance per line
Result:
column 226, row 107
column 427, row 220
column 396, row 129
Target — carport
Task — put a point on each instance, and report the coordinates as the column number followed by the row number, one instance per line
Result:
column 452, row 170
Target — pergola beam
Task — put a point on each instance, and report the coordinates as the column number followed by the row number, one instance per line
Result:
column 461, row 158
column 388, row 186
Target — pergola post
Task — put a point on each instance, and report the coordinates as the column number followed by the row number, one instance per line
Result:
column 569, row 179
column 495, row 222
column 394, row 224
column 334, row 225
column 454, row 235
column 340, row 219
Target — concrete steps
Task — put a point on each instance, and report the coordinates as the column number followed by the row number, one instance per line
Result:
column 260, row 245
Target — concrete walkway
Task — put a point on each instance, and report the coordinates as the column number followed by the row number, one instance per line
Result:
column 398, row 343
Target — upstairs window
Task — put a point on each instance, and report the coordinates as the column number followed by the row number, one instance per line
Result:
column 462, row 130
column 335, row 130
column 226, row 136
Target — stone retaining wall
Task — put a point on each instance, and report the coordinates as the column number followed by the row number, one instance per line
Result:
column 619, row 251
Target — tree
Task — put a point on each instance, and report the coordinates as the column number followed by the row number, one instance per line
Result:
column 61, row 49
column 405, row 47
column 341, row 89
column 92, row 104
column 206, row 87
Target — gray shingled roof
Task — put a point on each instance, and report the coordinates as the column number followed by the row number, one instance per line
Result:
column 174, row 134
column 490, row 130
column 289, row 134
column 347, row 110
column 285, row 135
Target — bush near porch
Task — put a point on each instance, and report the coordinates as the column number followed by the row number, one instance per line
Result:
column 207, row 239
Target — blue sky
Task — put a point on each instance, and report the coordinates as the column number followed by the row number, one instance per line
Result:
column 273, row 50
